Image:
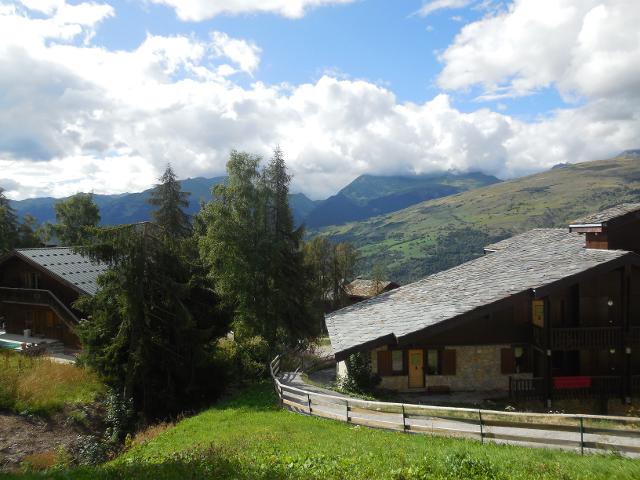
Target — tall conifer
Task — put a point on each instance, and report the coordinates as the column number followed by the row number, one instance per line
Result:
column 170, row 202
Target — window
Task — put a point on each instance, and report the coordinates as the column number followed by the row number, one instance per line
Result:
column 397, row 357
column 433, row 362
column 31, row 280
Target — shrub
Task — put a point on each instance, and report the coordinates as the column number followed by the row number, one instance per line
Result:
column 89, row 450
column 244, row 359
column 359, row 378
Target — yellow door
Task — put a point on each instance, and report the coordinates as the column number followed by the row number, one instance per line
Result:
column 416, row 369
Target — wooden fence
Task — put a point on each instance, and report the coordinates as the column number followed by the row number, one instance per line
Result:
column 586, row 433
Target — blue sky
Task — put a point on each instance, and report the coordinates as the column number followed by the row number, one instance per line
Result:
column 100, row 95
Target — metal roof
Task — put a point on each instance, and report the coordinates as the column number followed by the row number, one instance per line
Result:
column 71, row 266
column 599, row 218
column 526, row 262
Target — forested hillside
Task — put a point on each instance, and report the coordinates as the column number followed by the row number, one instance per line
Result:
column 437, row 234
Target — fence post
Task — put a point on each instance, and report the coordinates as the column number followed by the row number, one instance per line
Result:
column 309, row 402
column 404, row 420
column 347, row 408
column 581, row 436
column 481, row 429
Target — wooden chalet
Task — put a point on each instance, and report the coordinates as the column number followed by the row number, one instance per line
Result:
column 547, row 314
column 38, row 287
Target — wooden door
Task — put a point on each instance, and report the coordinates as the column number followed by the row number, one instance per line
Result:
column 416, row 369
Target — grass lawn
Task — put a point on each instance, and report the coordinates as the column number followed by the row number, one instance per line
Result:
column 248, row 437
column 42, row 386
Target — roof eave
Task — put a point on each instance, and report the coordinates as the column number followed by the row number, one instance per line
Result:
column 36, row 265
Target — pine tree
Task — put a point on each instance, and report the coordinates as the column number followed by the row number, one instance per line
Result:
column 152, row 325
column 8, row 224
column 75, row 219
column 170, row 200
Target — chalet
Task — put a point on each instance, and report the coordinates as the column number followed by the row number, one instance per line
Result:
column 362, row 289
column 547, row 314
column 38, row 287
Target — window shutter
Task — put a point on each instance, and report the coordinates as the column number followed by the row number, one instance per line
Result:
column 507, row 361
column 384, row 363
column 448, row 362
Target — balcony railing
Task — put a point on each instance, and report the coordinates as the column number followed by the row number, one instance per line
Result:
column 588, row 386
column 526, row 388
column 29, row 296
column 574, row 338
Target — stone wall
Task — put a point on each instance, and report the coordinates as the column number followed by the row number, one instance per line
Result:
column 477, row 368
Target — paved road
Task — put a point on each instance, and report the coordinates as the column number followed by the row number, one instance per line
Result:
column 435, row 424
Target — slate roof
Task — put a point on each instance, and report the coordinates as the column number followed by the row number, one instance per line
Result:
column 365, row 288
column 607, row 215
column 63, row 262
column 523, row 263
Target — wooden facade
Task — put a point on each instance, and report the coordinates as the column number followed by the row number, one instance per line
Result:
column 579, row 340
column 33, row 299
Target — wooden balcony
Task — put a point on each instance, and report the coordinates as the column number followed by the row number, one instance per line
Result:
column 44, row 298
column 594, row 386
column 576, row 338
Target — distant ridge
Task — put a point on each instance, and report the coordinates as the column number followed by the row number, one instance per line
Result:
column 437, row 234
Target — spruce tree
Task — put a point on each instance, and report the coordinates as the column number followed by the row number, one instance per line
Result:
column 8, row 224
column 152, row 326
column 76, row 217
column 170, row 200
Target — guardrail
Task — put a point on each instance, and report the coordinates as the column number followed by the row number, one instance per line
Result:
column 587, row 433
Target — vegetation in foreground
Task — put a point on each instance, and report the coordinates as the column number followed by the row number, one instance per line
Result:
column 42, row 386
column 248, row 437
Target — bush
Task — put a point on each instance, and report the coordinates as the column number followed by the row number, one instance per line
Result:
column 359, row 378
column 245, row 359
column 119, row 417
column 89, row 450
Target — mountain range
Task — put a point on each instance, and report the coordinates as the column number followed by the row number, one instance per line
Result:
column 363, row 198
column 437, row 234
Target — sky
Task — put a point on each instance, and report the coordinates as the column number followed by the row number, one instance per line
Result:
column 99, row 96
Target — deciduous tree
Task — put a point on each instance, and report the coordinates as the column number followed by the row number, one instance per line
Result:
column 75, row 218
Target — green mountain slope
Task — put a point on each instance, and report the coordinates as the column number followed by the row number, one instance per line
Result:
column 437, row 234
column 368, row 196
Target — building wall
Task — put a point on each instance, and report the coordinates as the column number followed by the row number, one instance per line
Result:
column 42, row 321
column 477, row 368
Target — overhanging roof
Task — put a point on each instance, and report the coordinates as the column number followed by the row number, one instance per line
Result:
column 528, row 262
column 601, row 219
column 72, row 268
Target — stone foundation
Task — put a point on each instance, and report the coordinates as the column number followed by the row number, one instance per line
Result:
column 478, row 368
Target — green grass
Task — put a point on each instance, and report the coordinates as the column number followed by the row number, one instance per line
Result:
column 248, row 437
column 421, row 239
column 42, row 386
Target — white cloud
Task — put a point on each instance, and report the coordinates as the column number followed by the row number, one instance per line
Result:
column 435, row 5
column 584, row 48
column 80, row 117
column 198, row 10
column 245, row 54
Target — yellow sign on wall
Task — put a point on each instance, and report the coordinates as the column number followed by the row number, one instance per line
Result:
column 538, row 313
